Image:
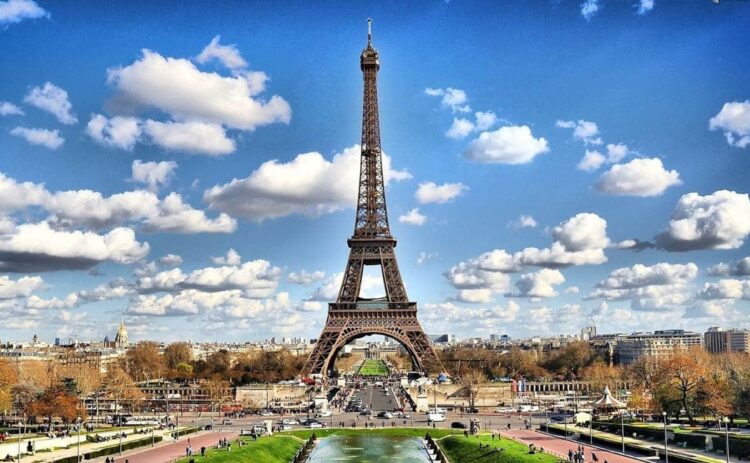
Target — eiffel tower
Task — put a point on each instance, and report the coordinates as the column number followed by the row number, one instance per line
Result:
column 352, row 316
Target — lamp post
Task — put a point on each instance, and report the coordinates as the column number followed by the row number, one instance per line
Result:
column 78, row 446
column 666, row 449
column 622, row 431
column 726, row 425
column 591, row 427
column 19, row 441
column 546, row 420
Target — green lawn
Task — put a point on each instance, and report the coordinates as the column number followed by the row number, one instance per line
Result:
column 276, row 449
column 373, row 367
column 460, row 449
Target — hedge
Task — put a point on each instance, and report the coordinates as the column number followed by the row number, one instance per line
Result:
column 737, row 447
column 696, row 441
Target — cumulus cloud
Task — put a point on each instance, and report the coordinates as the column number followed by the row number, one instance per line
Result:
column 644, row 6
column 176, row 87
column 117, row 132
column 430, row 192
column 539, row 284
column 661, row 286
column 38, row 247
column 734, row 120
column 228, row 55
column 54, row 100
column 305, row 277
column 449, row 317
column 739, row 268
column 153, row 174
column 524, row 221
column 413, row 217
column 372, row 286
column 726, row 289
column 616, row 152
column 452, row 98
column 308, row 185
column 720, row 220
column 190, row 137
column 22, row 287
column 171, row 260
column 585, row 131
column 13, row 11
column 506, row 145
column 42, row 137
column 462, row 127
column 589, row 8
column 9, row 109
column 580, row 240
column 591, row 161
column 424, row 256
column 232, row 257
column 639, row 177
column 92, row 209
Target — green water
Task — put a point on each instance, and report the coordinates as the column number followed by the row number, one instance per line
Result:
column 369, row 448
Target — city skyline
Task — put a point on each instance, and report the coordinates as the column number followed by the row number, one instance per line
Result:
column 177, row 179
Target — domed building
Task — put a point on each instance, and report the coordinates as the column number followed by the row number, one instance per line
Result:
column 121, row 338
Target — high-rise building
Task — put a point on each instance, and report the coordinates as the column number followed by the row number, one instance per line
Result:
column 718, row 340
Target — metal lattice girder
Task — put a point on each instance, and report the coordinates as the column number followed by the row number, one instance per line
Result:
column 351, row 316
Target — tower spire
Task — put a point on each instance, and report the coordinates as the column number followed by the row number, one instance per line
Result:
column 369, row 31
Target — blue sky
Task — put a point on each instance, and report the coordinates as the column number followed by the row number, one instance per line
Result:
column 551, row 164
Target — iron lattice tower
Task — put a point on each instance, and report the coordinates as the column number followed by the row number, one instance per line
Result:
column 352, row 316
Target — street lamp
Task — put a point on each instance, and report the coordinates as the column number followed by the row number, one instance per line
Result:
column 622, row 430
column 726, row 424
column 591, row 428
column 78, row 450
column 666, row 449
column 19, row 441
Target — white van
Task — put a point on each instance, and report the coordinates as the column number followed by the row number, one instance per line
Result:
column 436, row 417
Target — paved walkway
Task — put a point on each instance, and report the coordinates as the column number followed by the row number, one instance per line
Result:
column 560, row 446
column 169, row 451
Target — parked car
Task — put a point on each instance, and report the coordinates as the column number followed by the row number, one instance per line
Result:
column 458, row 425
column 289, row 422
column 266, row 413
column 504, row 410
column 324, row 413
column 436, row 417
column 386, row 415
column 227, row 422
column 314, row 425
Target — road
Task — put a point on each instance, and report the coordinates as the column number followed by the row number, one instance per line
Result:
column 560, row 446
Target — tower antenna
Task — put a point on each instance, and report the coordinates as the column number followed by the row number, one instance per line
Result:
column 369, row 31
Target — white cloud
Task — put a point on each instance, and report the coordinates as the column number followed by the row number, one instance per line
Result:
column 36, row 246
column 54, row 100
column 371, row 286
column 539, row 284
column 506, row 145
column 9, row 109
column 305, row 278
column 13, row 11
column 640, row 275
column 117, row 132
column 580, row 240
column 585, row 131
column 644, row 6
column 484, row 120
column 423, row 257
column 430, row 192
column 413, row 217
column 740, row 268
column 589, row 8
column 23, row 287
column 591, row 161
column 720, row 220
column 177, row 87
column 572, row 290
column 153, row 174
column 232, row 257
column 42, row 137
column 734, row 120
column 91, row 209
column 171, row 260
column 308, row 185
column 524, row 221
column 460, row 128
column 190, row 137
column 228, row 55
column 452, row 98
column 616, row 152
column 639, row 177
column 726, row 289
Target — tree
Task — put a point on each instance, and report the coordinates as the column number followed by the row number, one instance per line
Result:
column 120, row 387
column 144, row 362
column 683, row 376
column 471, row 382
column 56, row 401
column 8, row 379
column 177, row 353
column 216, row 388
column 599, row 375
